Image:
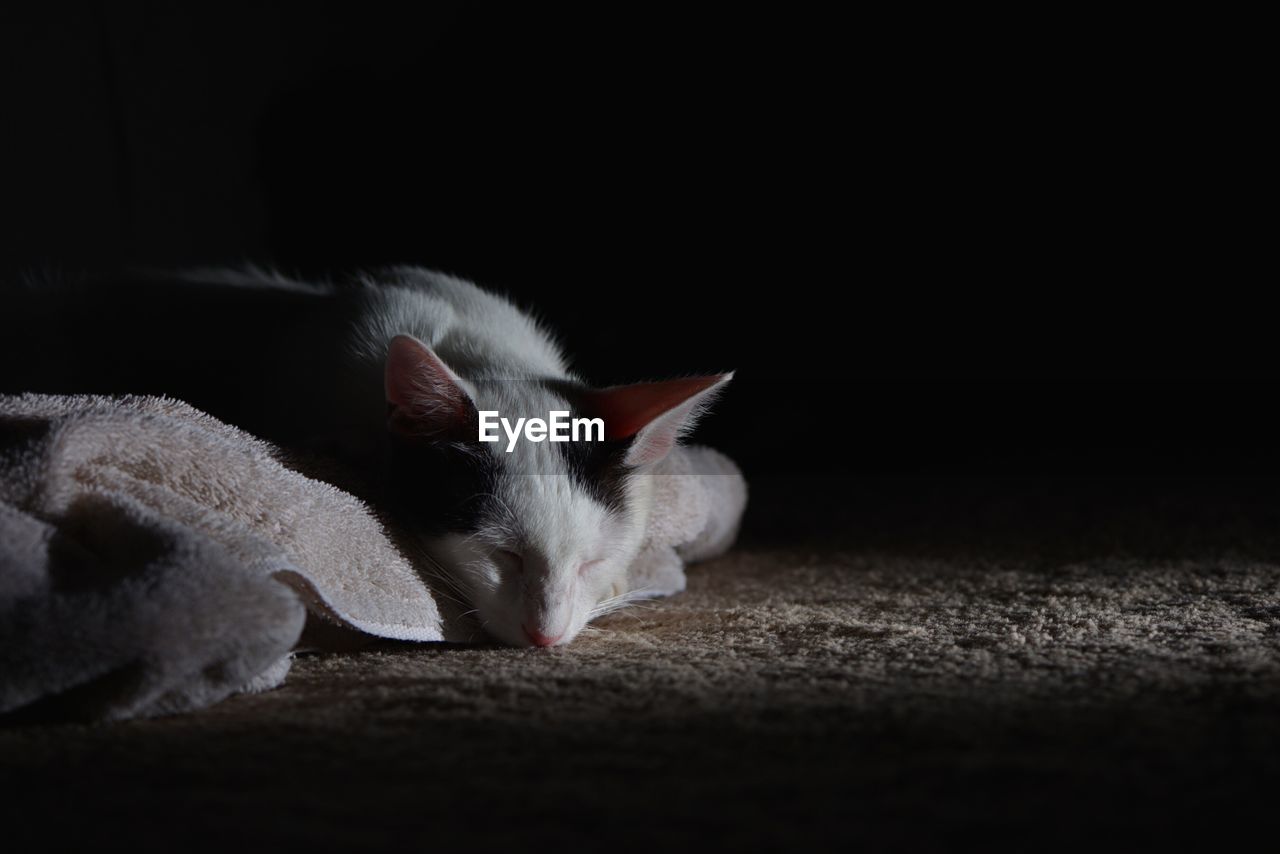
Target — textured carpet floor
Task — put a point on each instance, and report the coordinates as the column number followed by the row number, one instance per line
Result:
column 909, row 668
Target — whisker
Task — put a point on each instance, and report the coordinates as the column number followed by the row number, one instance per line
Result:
column 451, row 588
column 628, row 599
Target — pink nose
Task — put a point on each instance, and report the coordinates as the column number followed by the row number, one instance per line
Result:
column 539, row 639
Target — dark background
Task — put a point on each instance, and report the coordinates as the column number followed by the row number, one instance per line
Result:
column 930, row 244
column 950, row 245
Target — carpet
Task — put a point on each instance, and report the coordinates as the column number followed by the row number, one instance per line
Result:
column 908, row 665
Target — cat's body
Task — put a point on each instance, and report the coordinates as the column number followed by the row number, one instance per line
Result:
column 387, row 374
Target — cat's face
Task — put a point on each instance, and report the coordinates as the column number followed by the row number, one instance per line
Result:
column 544, row 557
column 536, row 539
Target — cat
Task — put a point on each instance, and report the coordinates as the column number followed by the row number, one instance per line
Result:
column 388, row 372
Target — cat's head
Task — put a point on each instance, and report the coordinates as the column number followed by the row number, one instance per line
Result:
column 537, row 538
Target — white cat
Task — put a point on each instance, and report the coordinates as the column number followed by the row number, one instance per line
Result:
column 389, row 372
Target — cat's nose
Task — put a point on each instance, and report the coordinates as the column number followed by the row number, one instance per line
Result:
column 537, row 638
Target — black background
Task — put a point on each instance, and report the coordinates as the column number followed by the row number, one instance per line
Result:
column 929, row 244
column 952, row 245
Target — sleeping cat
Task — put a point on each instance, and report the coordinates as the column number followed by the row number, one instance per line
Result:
column 389, row 373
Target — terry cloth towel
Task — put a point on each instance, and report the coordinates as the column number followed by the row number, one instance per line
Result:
column 154, row 560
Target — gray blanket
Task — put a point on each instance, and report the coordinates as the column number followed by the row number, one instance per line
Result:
column 154, row 560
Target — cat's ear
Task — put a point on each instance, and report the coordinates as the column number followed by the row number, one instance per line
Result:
column 652, row 415
column 424, row 397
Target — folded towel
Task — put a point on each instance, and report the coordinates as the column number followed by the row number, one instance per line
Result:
column 155, row 560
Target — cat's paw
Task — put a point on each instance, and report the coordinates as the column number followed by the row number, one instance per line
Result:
column 656, row 571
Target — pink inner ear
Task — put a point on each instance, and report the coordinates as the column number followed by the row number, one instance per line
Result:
column 627, row 409
column 426, row 397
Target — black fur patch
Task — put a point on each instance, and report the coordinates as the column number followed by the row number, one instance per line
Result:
column 448, row 486
column 597, row 467
column 441, row 487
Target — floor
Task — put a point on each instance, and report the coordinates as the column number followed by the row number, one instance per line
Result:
column 908, row 665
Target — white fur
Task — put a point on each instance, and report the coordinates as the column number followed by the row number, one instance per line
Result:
column 575, row 553
column 495, row 350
